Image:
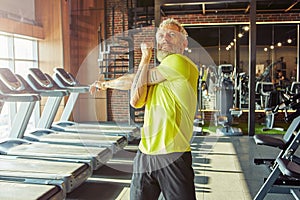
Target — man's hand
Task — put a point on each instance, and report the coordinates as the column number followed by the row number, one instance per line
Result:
column 140, row 82
column 146, row 48
column 97, row 85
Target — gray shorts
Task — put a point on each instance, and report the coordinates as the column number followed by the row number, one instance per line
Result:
column 172, row 174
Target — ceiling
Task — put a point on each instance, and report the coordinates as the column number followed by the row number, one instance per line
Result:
column 215, row 35
column 208, row 7
column 222, row 35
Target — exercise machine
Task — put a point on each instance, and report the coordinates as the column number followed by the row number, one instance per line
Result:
column 281, row 143
column 10, row 84
column 243, row 89
column 287, row 163
column 273, row 97
column 199, row 119
column 290, row 102
column 12, row 190
column 46, row 86
column 284, row 168
column 224, row 102
column 295, row 88
column 67, row 81
column 67, row 175
column 270, row 97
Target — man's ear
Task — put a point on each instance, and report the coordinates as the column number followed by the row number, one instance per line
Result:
column 185, row 44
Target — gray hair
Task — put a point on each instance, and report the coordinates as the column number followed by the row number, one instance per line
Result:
column 174, row 22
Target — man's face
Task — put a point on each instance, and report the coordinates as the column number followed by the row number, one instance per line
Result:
column 169, row 40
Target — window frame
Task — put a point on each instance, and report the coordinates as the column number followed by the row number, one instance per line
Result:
column 13, row 65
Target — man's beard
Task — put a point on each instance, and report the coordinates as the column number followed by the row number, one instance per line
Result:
column 161, row 54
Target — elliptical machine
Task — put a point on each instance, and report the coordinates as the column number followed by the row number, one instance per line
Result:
column 224, row 102
column 272, row 108
column 199, row 119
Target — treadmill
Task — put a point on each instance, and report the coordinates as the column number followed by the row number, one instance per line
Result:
column 67, row 175
column 10, row 85
column 12, row 190
column 67, row 81
column 45, row 85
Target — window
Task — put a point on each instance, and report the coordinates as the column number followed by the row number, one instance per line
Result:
column 18, row 54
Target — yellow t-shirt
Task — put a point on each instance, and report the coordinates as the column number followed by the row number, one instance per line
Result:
column 170, row 108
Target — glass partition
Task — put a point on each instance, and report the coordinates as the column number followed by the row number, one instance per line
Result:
column 276, row 59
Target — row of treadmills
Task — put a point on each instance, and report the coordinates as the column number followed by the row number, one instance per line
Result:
column 57, row 157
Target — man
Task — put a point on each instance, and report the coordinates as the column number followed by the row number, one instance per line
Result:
column 169, row 94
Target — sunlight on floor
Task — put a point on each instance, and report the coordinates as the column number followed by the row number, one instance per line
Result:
column 217, row 169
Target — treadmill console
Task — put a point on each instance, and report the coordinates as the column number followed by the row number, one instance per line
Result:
column 9, row 79
column 40, row 77
column 65, row 76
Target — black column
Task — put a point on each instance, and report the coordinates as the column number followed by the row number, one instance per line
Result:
column 298, row 53
column 252, row 66
column 237, row 65
column 157, row 16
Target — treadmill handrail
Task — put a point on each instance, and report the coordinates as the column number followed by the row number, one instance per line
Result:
column 9, row 143
column 51, row 90
column 21, row 94
column 74, row 86
column 19, row 97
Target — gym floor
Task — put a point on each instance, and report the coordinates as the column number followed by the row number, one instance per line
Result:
column 223, row 166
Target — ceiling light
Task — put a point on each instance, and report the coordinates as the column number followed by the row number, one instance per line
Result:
column 289, row 40
column 246, row 28
column 240, row 35
column 272, row 47
column 279, row 44
column 265, row 49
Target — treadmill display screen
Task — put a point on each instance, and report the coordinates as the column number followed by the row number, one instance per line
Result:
column 9, row 79
column 39, row 74
column 8, row 75
column 63, row 72
column 65, row 75
column 40, row 77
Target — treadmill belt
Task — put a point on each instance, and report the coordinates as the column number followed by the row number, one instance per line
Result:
column 10, row 190
column 53, row 150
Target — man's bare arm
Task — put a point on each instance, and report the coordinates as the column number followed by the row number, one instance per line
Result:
column 139, row 87
column 122, row 83
column 136, row 82
column 125, row 82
